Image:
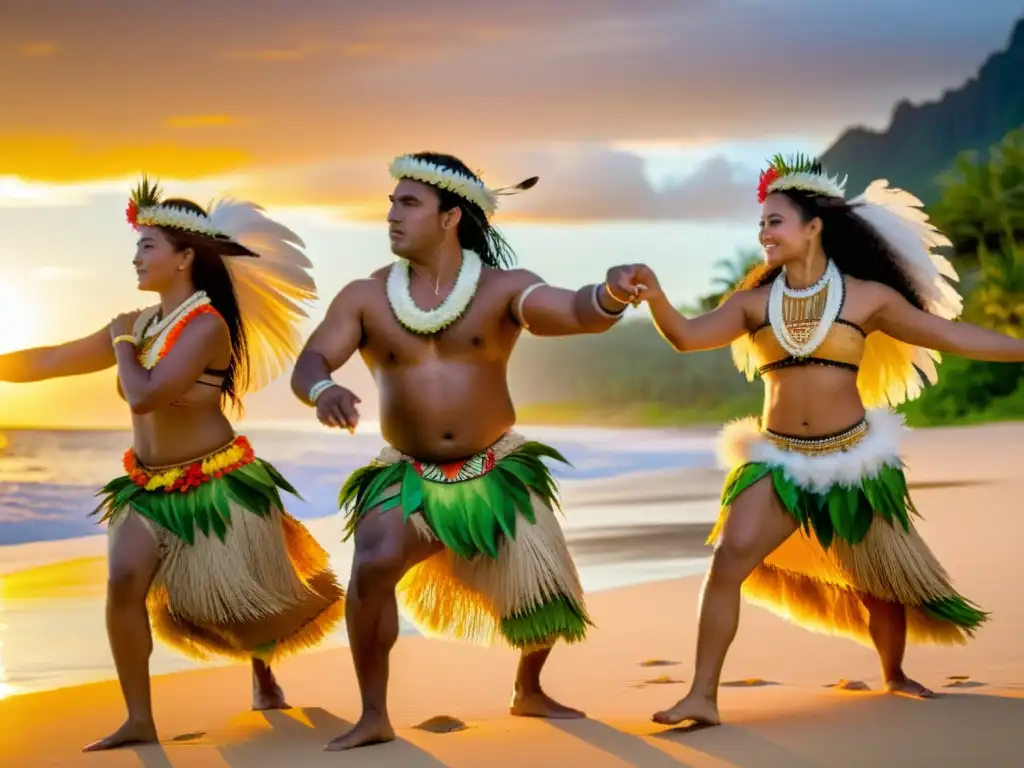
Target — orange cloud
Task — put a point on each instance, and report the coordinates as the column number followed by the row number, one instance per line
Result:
column 305, row 83
column 298, row 53
column 200, row 121
column 38, row 50
column 65, row 159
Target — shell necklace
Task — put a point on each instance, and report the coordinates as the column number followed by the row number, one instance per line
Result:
column 802, row 317
column 428, row 322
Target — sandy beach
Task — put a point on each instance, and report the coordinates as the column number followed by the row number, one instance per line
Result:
column 782, row 704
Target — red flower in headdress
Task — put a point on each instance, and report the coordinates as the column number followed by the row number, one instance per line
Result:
column 145, row 195
column 767, row 177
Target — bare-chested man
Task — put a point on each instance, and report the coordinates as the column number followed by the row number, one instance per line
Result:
column 457, row 514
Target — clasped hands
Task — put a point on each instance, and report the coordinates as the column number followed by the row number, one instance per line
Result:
column 632, row 284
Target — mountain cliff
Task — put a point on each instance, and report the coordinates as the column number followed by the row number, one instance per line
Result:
column 922, row 140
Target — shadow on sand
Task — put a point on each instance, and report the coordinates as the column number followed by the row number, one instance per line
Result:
column 298, row 737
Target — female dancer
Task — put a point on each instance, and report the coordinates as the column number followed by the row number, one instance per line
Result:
column 197, row 530
column 817, row 522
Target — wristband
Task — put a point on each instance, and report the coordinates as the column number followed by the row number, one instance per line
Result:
column 319, row 388
column 602, row 310
column 124, row 337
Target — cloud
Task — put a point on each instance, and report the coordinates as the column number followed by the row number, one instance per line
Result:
column 578, row 183
column 69, row 158
column 201, row 121
column 322, row 79
column 38, row 50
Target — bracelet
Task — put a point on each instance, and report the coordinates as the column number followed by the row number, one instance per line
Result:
column 318, row 389
column 602, row 310
column 125, row 337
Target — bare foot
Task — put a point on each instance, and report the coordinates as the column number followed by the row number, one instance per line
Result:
column 539, row 704
column 697, row 709
column 912, row 689
column 269, row 698
column 372, row 728
column 129, row 733
column 266, row 693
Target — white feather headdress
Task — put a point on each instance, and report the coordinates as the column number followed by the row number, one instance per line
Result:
column 269, row 273
column 891, row 371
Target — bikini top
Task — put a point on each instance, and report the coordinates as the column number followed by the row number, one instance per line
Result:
column 843, row 347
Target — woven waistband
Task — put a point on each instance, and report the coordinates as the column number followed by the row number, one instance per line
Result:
column 834, row 443
column 460, row 469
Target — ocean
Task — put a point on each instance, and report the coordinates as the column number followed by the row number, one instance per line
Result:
column 48, row 481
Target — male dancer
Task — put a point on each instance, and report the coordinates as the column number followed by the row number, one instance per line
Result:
column 456, row 515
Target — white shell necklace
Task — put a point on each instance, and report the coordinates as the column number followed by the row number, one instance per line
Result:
column 800, row 337
column 427, row 322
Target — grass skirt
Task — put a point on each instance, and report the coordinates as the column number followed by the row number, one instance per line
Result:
column 505, row 570
column 856, row 535
column 239, row 577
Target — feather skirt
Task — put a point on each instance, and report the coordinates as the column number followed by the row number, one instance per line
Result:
column 856, row 536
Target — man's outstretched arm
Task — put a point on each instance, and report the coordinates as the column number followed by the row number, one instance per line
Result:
column 546, row 310
column 328, row 348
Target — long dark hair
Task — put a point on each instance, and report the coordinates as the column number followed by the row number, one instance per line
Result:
column 475, row 231
column 209, row 274
column 853, row 244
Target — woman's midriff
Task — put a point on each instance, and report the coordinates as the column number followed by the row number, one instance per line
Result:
column 174, row 436
column 810, row 401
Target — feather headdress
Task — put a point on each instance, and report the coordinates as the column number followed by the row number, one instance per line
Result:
column 891, row 371
column 269, row 273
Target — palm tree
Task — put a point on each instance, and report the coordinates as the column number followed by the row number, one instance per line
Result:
column 734, row 269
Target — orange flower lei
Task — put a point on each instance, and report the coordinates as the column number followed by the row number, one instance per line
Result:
column 175, row 332
column 189, row 476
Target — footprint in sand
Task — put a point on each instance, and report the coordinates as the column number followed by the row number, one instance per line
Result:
column 750, row 682
column 658, row 663
column 963, row 681
column 850, row 685
column 442, row 724
column 662, row 680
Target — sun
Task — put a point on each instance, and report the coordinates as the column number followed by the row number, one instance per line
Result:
column 17, row 316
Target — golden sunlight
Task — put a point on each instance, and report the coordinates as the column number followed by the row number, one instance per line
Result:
column 17, row 317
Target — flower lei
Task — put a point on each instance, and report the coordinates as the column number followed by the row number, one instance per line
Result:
column 473, row 190
column 162, row 336
column 427, row 322
column 798, row 172
column 193, row 475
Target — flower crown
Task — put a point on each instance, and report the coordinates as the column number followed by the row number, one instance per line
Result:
column 799, row 172
column 144, row 210
column 468, row 188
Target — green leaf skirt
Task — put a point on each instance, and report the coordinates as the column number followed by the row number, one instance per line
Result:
column 238, row 577
column 504, row 570
column 855, row 535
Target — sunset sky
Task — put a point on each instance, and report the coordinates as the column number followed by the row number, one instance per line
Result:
column 647, row 121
